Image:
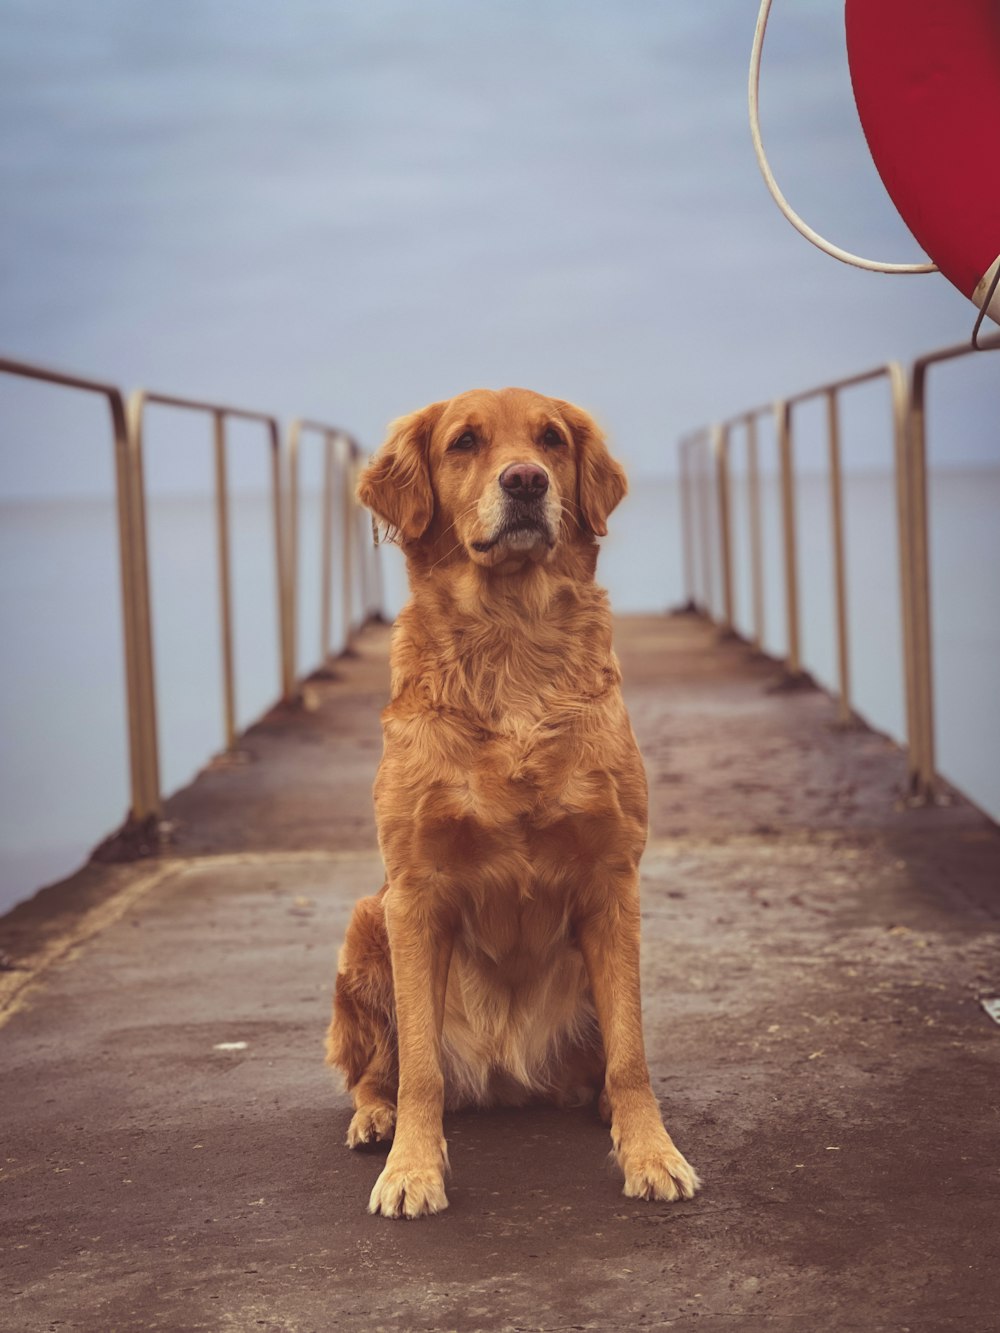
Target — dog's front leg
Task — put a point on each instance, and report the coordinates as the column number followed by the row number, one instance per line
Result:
column 609, row 941
column 420, row 944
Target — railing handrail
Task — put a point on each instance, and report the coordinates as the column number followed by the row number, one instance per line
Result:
column 954, row 350
column 144, row 396
column 938, row 354
column 30, row 370
column 128, row 422
column 907, row 387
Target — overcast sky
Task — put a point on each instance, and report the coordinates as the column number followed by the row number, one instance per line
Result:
column 346, row 210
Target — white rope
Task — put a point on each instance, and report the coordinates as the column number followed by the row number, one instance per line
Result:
column 800, row 226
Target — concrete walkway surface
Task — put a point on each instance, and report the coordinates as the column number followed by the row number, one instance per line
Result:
column 814, row 957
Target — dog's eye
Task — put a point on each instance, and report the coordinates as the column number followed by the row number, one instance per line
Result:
column 552, row 439
column 466, row 440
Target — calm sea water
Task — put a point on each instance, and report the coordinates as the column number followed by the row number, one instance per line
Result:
column 63, row 782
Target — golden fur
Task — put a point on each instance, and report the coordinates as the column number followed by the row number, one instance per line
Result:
column 500, row 961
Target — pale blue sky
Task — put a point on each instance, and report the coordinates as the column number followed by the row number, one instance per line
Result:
column 347, row 210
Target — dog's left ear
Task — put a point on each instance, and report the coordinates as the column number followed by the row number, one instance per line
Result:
column 396, row 484
column 600, row 480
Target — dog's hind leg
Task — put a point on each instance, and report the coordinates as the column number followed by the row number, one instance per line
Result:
column 374, row 1119
column 578, row 1078
column 362, row 1037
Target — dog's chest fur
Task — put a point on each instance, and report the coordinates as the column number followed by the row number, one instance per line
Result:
column 509, row 790
column 528, row 804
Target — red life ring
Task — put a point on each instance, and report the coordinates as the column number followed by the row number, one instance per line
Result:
column 926, row 76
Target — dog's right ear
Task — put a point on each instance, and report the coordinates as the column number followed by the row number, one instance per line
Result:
column 396, row 484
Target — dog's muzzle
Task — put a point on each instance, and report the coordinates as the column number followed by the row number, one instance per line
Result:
column 523, row 519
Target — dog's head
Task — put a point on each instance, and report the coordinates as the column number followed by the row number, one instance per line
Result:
column 502, row 478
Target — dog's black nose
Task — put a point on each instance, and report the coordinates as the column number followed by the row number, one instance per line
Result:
column 526, row 480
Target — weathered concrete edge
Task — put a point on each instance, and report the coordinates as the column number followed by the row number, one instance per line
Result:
column 17, row 982
column 135, row 884
column 945, row 791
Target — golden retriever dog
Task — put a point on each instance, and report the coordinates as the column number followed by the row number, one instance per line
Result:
column 499, row 963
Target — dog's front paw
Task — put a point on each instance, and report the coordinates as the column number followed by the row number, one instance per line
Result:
column 658, row 1171
column 411, row 1185
column 374, row 1123
column 408, row 1191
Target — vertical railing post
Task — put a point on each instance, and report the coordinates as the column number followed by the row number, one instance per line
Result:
column 687, row 530
column 358, row 525
column 920, row 584
column 225, row 583
column 720, row 450
column 367, row 555
column 346, row 544
column 142, row 802
column 326, row 544
column 146, row 673
column 368, row 563
column 286, row 591
column 783, row 420
column 756, row 544
column 360, row 529
column 702, row 465
column 900, row 386
column 291, row 510
column 839, row 572
column 697, row 578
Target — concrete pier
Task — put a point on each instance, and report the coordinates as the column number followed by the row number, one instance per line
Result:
column 815, row 952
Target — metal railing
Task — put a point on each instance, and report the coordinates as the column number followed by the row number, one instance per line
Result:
column 127, row 428
column 132, row 567
column 220, row 414
column 707, row 527
column 361, row 588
